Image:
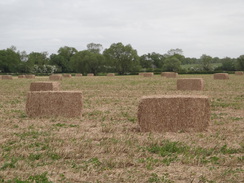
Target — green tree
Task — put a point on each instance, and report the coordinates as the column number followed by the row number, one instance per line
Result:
column 9, row 60
column 240, row 63
column 37, row 58
column 65, row 54
column 205, row 62
column 95, row 48
column 228, row 64
column 87, row 62
column 122, row 58
column 172, row 64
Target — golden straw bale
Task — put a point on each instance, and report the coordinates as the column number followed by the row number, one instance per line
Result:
column 190, row 84
column 45, row 86
column 173, row 113
column 78, row 75
column 67, row 76
column 141, row 73
column 221, row 76
column 90, row 74
column 21, row 76
column 239, row 73
column 148, row 74
column 30, row 76
column 169, row 74
column 54, row 103
column 7, row 77
column 55, row 77
column 110, row 74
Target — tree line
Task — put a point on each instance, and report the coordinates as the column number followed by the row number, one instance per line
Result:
column 118, row 58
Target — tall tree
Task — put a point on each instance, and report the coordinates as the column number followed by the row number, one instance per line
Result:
column 9, row 60
column 228, row 64
column 172, row 63
column 123, row 58
column 66, row 54
column 95, row 48
column 205, row 61
column 240, row 63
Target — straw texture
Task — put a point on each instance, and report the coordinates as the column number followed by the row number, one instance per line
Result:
column 67, row 76
column 54, row 103
column 169, row 74
column 110, row 74
column 148, row 74
column 55, row 77
column 221, row 76
column 7, row 77
column 190, row 84
column 174, row 113
column 78, row 75
column 21, row 76
column 239, row 73
column 30, row 76
column 45, row 86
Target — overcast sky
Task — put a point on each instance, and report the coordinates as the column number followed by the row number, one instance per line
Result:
column 212, row 27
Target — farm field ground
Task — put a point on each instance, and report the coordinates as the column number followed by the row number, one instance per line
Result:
column 106, row 144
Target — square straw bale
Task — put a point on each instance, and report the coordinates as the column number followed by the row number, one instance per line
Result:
column 173, row 113
column 45, row 86
column 90, row 74
column 7, row 77
column 55, row 77
column 148, row 74
column 67, row 76
column 54, row 104
column 221, row 76
column 239, row 73
column 78, row 75
column 190, row 84
column 110, row 74
column 30, row 76
column 169, row 74
column 21, row 76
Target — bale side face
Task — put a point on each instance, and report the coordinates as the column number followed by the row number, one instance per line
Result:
column 78, row 75
column 7, row 77
column 110, row 74
column 30, row 76
column 174, row 113
column 148, row 74
column 190, row 84
column 54, row 103
column 239, row 73
column 221, row 76
column 45, row 86
column 67, row 75
column 21, row 76
column 55, row 77
column 169, row 74
column 90, row 74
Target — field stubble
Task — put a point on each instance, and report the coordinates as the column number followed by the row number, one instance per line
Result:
column 106, row 145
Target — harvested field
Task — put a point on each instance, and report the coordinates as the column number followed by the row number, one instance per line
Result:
column 106, row 144
column 221, row 76
column 190, row 84
column 44, row 86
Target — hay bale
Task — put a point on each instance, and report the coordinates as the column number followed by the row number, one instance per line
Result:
column 54, row 103
column 190, row 84
column 239, row 73
column 7, row 77
column 169, row 74
column 174, row 113
column 45, row 86
column 78, row 75
column 221, row 76
column 148, row 74
column 90, row 74
column 141, row 73
column 67, row 76
column 30, row 76
column 55, row 77
column 21, row 76
column 110, row 74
